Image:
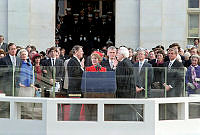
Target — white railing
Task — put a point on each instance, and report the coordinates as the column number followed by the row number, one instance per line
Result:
column 151, row 125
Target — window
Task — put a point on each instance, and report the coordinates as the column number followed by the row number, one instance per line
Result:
column 193, row 25
column 193, row 21
column 193, row 4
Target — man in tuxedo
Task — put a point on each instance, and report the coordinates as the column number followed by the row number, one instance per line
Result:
column 174, row 85
column 3, row 45
column 54, row 67
column 140, row 71
column 112, row 62
column 75, row 68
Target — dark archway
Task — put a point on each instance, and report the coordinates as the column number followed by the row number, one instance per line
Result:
column 90, row 23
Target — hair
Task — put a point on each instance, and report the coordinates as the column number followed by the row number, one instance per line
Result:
column 193, row 48
column 135, row 57
column 112, row 48
column 160, row 47
column 10, row 44
column 70, row 54
column 124, row 51
column 28, row 46
column 195, row 56
column 33, row 48
column 130, row 49
column 161, row 52
column 187, row 54
column 2, row 36
column 173, row 50
column 141, row 51
column 196, row 39
column 43, row 53
column 151, row 51
column 52, row 49
column 18, row 47
column 76, row 48
column 35, row 57
column 22, row 50
column 2, row 52
column 174, row 45
column 98, row 56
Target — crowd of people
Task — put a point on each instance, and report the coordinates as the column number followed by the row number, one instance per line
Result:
column 137, row 71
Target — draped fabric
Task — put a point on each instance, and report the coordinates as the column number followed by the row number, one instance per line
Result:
column 193, row 73
column 26, row 74
column 38, row 73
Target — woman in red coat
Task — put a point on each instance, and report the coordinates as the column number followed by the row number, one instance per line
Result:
column 96, row 58
column 90, row 110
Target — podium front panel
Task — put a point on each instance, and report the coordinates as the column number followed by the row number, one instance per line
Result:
column 98, row 82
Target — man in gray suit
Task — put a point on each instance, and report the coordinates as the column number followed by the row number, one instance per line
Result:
column 139, row 71
column 3, row 45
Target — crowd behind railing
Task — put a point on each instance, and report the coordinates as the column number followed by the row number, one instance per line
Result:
column 122, row 72
column 108, row 72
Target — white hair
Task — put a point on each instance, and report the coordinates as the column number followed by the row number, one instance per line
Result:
column 22, row 50
column 187, row 54
column 195, row 56
column 124, row 51
column 111, row 48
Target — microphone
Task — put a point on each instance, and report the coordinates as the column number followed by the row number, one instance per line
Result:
column 98, row 67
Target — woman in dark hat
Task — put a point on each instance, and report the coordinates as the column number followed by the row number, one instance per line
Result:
column 39, row 74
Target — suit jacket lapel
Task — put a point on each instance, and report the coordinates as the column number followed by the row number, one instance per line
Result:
column 56, row 62
column 174, row 64
column 9, row 62
column 77, row 62
column 49, row 62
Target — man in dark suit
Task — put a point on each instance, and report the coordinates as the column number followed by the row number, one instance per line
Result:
column 9, row 63
column 9, row 77
column 174, row 85
column 112, row 62
column 175, row 76
column 3, row 45
column 125, row 85
column 179, row 57
column 75, row 68
column 140, row 69
column 143, row 76
column 124, row 75
column 54, row 67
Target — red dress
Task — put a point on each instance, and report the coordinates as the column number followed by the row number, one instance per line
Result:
column 94, row 69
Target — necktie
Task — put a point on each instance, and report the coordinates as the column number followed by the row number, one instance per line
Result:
column 13, row 61
column 169, row 66
column 53, row 62
column 140, row 66
column 193, row 72
column 111, row 64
